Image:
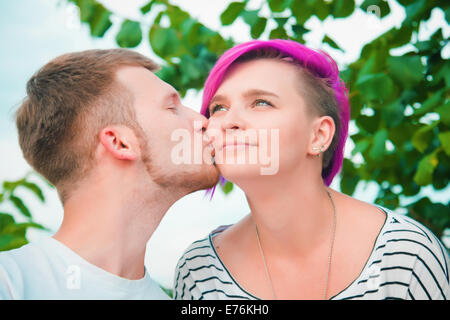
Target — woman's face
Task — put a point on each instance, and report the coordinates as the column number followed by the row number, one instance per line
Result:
column 258, row 110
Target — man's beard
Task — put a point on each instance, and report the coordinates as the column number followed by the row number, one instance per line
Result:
column 187, row 179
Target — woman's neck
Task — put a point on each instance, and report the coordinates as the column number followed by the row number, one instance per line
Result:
column 293, row 214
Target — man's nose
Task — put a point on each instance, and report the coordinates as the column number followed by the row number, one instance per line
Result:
column 200, row 121
column 204, row 122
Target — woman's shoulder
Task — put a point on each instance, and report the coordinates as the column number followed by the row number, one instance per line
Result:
column 405, row 244
column 396, row 231
column 200, row 274
column 402, row 231
column 200, row 255
column 407, row 261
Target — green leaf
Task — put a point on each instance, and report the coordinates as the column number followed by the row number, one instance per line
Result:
column 12, row 185
column 379, row 145
column 18, row 203
column 343, row 8
column 447, row 14
column 35, row 189
column 369, row 124
column 21, row 228
column 168, row 74
column 376, row 86
column 357, row 102
column 350, row 178
column 99, row 21
column 381, row 7
column 444, row 138
column 130, row 34
column 86, row 9
column 147, row 7
column 257, row 24
column 258, row 28
column 414, row 11
column 278, row 33
column 425, row 169
column 444, row 113
column 10, row 241
column 430, row 103
column 387, row 198
column 5, row 220
column 393, row 113
column 444, row 73
column 279, row 5
column 190, row 69
column 231, row 12
column 405, row 2
column 164, row 41
column 408, row 70
column 360, row 146
column 321, row 9
column 302, row 10
column 371, row 65
column 250, row 16
column 228, row 187
column 436, row 216
column 328, row 40
column 177, row 16
column 299, row 31
column 422, row 137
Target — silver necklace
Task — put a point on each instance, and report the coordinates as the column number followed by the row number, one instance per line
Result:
column 329, row 256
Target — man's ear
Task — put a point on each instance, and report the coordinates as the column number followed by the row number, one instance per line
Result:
column 120, row 142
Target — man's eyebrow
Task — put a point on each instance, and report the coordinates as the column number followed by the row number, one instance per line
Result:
column 171, row 96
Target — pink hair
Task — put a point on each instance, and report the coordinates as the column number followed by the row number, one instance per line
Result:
column 318, row 63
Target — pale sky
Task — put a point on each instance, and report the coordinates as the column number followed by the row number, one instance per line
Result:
column 47, row 28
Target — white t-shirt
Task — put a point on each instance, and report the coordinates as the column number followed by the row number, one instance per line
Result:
column 47, row 269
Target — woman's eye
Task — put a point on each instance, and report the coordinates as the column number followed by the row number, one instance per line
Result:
column 217, row 107
column 261, row 102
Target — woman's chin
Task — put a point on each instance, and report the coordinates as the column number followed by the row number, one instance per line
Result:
column 237, row 172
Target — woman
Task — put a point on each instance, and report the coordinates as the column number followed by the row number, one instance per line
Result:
column 302, row 240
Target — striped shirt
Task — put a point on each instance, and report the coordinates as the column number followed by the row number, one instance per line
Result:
column 407, row 262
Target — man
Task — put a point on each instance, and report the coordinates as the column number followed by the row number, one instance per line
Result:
column 97, row 124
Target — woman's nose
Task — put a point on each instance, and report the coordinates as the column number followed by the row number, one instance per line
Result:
column 233, row 121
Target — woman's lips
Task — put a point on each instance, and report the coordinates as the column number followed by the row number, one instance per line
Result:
column 236, row 144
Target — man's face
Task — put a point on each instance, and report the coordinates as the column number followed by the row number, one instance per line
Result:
column 168, row 127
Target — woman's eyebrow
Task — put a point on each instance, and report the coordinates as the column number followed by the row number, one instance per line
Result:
column 258, row 92
column 246, row 94
column 216, row 98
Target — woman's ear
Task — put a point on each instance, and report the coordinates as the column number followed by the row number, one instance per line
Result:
column 118, row 141
column 322, row 134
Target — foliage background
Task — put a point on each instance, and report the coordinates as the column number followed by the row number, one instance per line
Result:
column 399, row 92
column 391, row 95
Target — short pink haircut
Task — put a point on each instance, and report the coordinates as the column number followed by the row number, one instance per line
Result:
column 317, row 63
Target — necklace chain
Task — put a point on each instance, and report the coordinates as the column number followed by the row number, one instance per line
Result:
column 329, row 256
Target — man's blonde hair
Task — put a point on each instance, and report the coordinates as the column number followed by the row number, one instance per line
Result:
column 69, row 100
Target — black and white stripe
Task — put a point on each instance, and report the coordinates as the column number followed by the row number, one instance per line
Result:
column 408, row 262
